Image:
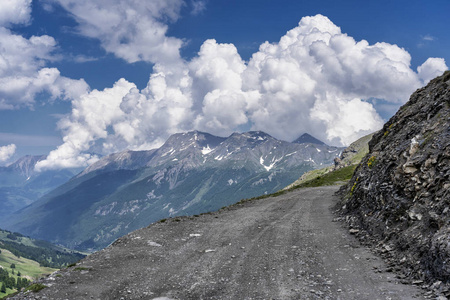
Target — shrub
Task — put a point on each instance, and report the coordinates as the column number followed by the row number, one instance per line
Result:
column 371, row 162
column 36, row 287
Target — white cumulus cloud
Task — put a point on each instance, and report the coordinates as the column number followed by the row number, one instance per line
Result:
column 316, row 79
column 15, row 12
column 217, row 74
column 431, row 68
column 23, row 74
column 91, row 116
column 133, row 30
column 310, row 79
column 6, row 152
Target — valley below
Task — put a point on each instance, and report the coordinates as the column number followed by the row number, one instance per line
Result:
column 285, row 247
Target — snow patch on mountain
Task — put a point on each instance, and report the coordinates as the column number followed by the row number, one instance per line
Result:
column 169, row 153
column 231, row 181
column 273, row 162
column 206, row 150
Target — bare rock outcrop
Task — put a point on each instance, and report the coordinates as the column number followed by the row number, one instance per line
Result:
column 399, row 196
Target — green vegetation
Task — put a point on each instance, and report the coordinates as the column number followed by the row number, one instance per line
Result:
column 47, row 254
column 26, row 267
column 336, row 177
column 316, row 173
column 388, row 130
column 21, row 275
column 71, row 265
column 36, row 287
column 23, row 259
column 310, row 176
column 371, row 162
column 352, row 155
column 354, row 186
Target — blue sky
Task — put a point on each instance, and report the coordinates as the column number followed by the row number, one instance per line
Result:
column 68, row 57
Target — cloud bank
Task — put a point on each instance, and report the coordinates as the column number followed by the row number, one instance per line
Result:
column 316, row 79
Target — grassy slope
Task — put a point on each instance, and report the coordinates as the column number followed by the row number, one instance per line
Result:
column 28, row 268
column 336, row 177
column 22, row 240
column 351, row 156
column 44, row 252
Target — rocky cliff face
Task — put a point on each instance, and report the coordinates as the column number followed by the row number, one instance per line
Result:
column 400, row 193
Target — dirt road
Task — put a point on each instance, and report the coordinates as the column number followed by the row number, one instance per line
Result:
column 276, row 248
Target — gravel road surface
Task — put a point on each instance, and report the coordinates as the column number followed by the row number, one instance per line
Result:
column 286, row 247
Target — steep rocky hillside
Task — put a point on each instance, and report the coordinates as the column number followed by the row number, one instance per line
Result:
column 400, row 193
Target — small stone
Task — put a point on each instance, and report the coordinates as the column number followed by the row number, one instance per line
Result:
column 436, row 285
column 388, row 248
column 153, row 244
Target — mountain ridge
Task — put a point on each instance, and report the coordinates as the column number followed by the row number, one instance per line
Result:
column 21, row 185
column 191, row 173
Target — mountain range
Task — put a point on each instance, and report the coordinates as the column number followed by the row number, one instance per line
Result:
column 21, row 185
column 191, row 173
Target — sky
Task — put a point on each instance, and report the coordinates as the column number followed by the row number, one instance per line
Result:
column 80, row 79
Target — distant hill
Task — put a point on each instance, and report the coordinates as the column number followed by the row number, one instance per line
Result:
column 191, row 173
